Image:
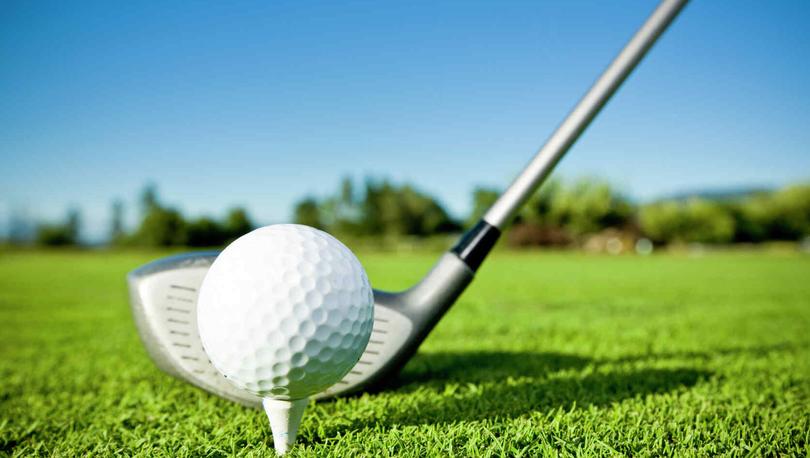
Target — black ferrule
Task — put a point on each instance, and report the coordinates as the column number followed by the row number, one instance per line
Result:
column 476, row 244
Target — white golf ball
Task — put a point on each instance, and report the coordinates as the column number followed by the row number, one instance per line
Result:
column 285, row 311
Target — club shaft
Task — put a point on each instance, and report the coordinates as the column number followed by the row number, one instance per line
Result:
column 507, row 205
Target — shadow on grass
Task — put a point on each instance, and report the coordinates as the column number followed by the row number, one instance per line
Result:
column 481, row 366
column 756, row 351
column 441, row 388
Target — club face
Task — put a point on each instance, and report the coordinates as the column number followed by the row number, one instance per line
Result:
column 164, row 298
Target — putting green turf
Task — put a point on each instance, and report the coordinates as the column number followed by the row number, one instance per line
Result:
column 564, row 354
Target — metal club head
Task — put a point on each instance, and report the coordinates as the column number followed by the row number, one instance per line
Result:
column 163, row 296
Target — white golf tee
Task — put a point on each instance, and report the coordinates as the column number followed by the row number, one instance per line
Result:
column 284, row 416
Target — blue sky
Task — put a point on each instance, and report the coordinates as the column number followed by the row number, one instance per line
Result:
column 259, row 103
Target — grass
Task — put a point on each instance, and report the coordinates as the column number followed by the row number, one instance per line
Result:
column 546, row 354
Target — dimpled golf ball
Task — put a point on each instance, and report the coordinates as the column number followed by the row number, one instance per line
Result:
column 285, row 311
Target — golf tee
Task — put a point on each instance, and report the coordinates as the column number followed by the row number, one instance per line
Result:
column 284, row 416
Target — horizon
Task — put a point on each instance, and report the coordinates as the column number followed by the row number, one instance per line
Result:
column 133, row 215
column 259, row 105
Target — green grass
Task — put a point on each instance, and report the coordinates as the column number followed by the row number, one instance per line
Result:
column 545, row 354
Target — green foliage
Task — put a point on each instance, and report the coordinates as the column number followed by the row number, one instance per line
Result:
column 539, row 209
column 149, row 197
column 483, row 198
column 308, row 213
column 662, row 221
column 792, row 219
column 164, row 227
column 161, row 227
column 204, row 232
column 589, row 206
column 778, row 215
column 237, row 223
column 694, row 220
column 384, row 209
column 559, row 212
column 117, row 231
column 753, row 218
column 54, row 235
column 545, row 355
column 64, row 234
column 781, row 215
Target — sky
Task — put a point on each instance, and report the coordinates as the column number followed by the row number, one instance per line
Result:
column 258, row 103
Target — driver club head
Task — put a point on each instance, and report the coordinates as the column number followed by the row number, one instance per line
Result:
column 163, row 296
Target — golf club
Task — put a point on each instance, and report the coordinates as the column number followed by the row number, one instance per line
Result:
column 164, row 293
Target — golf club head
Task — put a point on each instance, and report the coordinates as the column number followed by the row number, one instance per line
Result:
column 163, row 297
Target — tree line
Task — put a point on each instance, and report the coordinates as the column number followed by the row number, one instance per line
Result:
column 561, row 213
column 568, row 212
column 160, row 226
column 381, row 208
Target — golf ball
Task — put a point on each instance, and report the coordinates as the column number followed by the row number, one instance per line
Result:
column 285, row 311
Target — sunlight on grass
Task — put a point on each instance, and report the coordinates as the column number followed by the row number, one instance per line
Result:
column 545, row 353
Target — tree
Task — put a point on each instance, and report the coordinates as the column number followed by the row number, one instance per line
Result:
column 161, row 227
column 53, row 235
column 149, row 198
column 64, row 234
column 695, row 220
column 559, row 213
column 708, row 222
column 791, row 215
column 307, row 212
column 205, row 232
column 780, row 215
column 382, row 209
column 538, row 209
column 73, row 224
column 117, row 232
column 589, row 206
column 391, row 210
column 347, row 198
column 237, row 223
column 483, row 199
column 752, row 217
column 421, row 214
column 164, row 226
column 662, row 222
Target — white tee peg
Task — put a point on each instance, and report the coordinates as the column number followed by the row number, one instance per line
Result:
column 285, row 417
